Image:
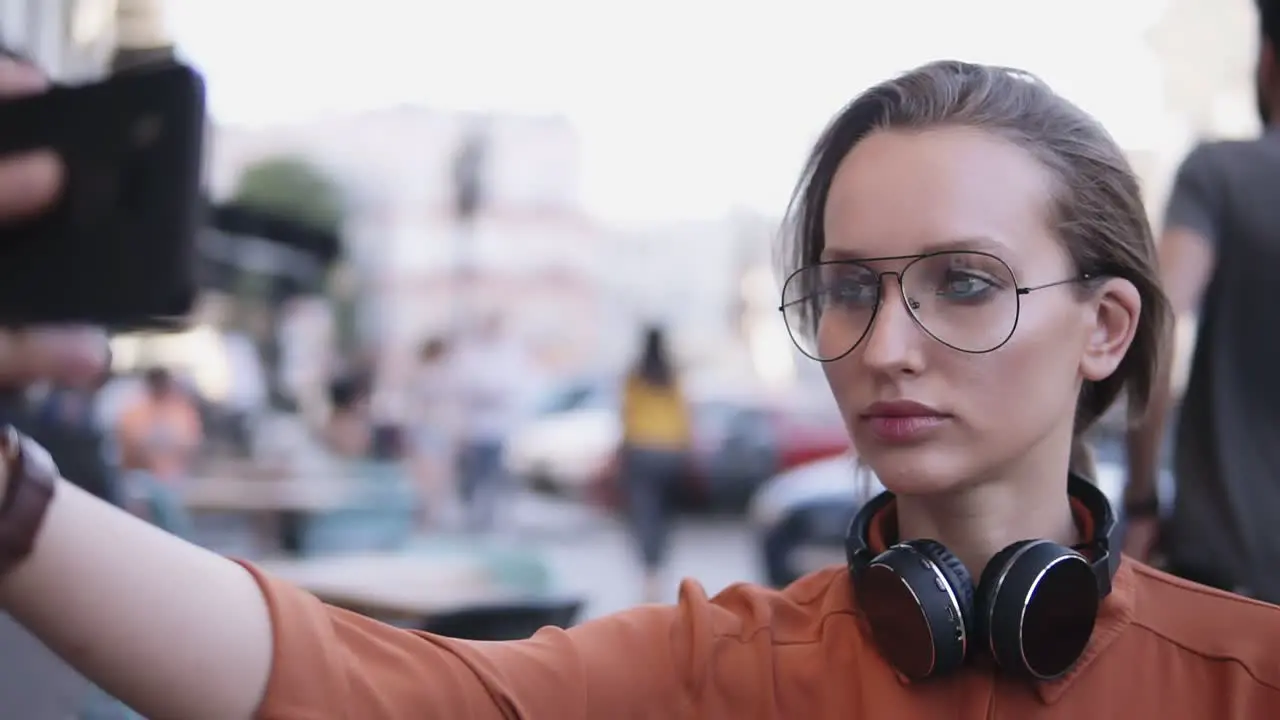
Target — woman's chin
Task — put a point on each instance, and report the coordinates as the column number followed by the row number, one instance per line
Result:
column 916, row 473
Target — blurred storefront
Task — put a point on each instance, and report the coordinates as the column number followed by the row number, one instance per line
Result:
column 75, row 40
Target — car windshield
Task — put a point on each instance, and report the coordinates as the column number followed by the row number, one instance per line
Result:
column 572, row 397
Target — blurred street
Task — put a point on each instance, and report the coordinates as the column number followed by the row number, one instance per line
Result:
column 590, row 555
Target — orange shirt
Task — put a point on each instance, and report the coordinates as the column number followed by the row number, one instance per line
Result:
column 159, row 435
column 1162, row 648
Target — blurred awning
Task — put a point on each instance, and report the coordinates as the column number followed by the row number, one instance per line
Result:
column 242, row 239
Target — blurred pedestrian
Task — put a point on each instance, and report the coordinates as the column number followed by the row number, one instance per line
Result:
column 493, row 377
column 435, row 417
column 656, row 440
column 348, row 431
column 1220, row 256
column 159, row 436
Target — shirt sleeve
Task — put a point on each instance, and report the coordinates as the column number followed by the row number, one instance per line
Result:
column 330, row 663
column 1197, row 202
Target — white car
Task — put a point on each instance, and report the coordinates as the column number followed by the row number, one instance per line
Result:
column 564, row 452
column 836, row 479
column 566, row 445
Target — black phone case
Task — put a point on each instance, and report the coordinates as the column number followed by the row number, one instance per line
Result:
column 119, row 248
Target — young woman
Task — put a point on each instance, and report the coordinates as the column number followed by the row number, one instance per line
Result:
column 972, row 263
column 656, row 438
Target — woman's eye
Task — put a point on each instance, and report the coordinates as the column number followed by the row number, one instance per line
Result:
column 965, row 285
column 854, row 292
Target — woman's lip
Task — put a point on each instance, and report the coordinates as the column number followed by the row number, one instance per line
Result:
column 903, row 429
column 901, row 408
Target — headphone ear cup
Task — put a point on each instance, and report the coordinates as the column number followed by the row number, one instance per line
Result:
column 1036, row 607
column 917, row 598
column 988, row 585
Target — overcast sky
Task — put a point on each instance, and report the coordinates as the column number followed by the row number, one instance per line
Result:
column 686, row 107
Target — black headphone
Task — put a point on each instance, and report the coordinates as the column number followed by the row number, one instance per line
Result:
column 1034, row 607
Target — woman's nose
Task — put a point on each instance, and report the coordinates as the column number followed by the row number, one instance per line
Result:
column 893, row 341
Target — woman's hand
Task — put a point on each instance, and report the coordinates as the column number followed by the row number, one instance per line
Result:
column 76, row 356
column 30, row 184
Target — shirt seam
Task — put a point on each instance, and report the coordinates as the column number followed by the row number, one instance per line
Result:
column 1215, row 595
column 1210, row 656
column 819, row 594
column 747, row 637
column 1208, row 592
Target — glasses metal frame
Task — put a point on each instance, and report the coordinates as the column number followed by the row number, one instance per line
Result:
column 1019, row 291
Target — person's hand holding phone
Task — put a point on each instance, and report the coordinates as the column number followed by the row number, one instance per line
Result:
column 29, row 184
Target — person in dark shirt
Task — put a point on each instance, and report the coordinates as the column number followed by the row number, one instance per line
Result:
column 1220, row 255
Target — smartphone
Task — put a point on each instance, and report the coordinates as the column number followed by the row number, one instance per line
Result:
column 119, row 247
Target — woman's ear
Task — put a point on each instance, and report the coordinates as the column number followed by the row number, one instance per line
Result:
column 1115, row 311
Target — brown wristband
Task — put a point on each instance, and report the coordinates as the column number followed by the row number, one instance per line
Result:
column 31, row 479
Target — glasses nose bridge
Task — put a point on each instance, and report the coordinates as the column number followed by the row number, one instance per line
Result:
column 897, row 275
column 890, row 273
column 909, row 306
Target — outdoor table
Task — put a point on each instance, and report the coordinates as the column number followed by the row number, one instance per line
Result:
column 395, row 586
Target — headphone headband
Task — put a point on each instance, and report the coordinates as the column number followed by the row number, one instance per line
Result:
column 1097, row 548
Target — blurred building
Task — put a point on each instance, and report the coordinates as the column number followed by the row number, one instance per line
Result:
column 71, row 40
column 683, row 276
column 575, row 289
column 530, row 252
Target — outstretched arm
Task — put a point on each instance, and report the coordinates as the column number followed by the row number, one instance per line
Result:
column 172, row 629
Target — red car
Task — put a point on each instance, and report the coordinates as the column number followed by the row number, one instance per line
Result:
column 738, row 446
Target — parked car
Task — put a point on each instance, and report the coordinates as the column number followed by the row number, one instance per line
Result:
column 571, row 447
column 800, row 516
column 572, row 434
column 737, row 447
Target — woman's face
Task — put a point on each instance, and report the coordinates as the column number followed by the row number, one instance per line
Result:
column 903, row 193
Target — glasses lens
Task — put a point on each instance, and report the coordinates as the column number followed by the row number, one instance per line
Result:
column 828, row 307
column 966, row 300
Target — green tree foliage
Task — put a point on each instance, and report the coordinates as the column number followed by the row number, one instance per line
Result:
column 295, row 188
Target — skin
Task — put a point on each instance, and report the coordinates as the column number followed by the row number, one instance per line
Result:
column 171, row 629
column 995, row 471
column 1187, row 263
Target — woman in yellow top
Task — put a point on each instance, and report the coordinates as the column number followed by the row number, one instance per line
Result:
column 655, row 447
